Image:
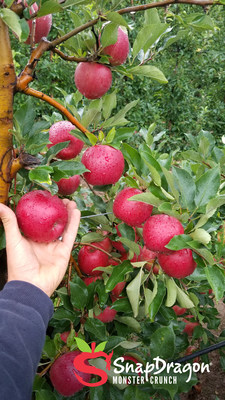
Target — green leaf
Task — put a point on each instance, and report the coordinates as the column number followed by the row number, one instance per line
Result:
column 41, row 174
column 157, row 300
column 162, row 343
column 24, row 29
column 151, row 17
column 69, row 168
column 186, row 186
column 2, row 238
column 200, row 22
column 82, row 345
column 150, row 72
column 133, row 156
column 109, row 35
column 79, row 293
column 45, row 394
column 207, row 186
column 118, row 275
column 172, row 39
column 216, row 279
column 171, row 182
column 116, row 18
column 49, row 348
column 147, row 36
column 110, row 136
column 148, row 198
column 131, row 245
column 171, row 292
column 54, row 150
column 153, row 166
column 179, row 242
column 96, row 328
column 133, row 292
column 119, row 119
column 11, row 19
column 201, row 236
column 131, row 322
column 49, row 7
column 183, row 299
column 92, row 237
column 109, row 103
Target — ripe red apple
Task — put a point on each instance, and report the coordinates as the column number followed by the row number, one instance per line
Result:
column 118, row 51
column 148, row 256
column 107, row 315
column 68, row 186
column 89, row 259
column 132, row 212
column 92, row 80
column 60, row 132
column 179, row 310
column 105, row 244
column 159, row 230
column 89, row 279
column 64, row 336
column 178, row 264
column 105, row 163
column 41, row 216
column 189, row 326
column 42, row 25
column 62, row 374
column 118, row 289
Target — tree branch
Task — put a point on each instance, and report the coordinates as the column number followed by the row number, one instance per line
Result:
column 70, row 58
column 58, row 106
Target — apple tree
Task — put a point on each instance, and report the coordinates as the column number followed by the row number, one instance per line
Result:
column 147, row 268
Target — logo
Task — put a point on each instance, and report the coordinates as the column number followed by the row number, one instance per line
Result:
column 80, row 362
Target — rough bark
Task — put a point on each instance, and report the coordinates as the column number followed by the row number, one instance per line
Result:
column 7, row 84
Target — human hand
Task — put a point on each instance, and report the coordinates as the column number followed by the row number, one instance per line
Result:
column 42, row 264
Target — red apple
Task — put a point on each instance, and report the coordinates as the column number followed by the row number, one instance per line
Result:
column 148, row 256
column 159, row 230
column 60, row 132
column 105, row 163
column 189, row 326
column 92, row 80
column 62, row 374
column 107, row 315
column 42, row 25
column 118, row 289
column 178, row 264
column 41, row 216
column 89, row 279
column 178, row 310
column 68, row 186
column 131, row 212
column 64, row 336
column 105, row 244
column 89, row 259
column 118, row 51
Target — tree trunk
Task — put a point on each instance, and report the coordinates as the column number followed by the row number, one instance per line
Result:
column 7, row 85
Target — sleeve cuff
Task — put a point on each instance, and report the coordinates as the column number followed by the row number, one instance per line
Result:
column 29, row 295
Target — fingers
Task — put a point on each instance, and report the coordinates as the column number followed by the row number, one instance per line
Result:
column 70, row 231
column 10, row 223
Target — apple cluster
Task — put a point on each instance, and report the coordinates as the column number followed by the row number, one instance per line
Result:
column 158, row 230
column 94, row 79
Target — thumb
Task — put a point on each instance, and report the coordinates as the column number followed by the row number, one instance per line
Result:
column 9, row 221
